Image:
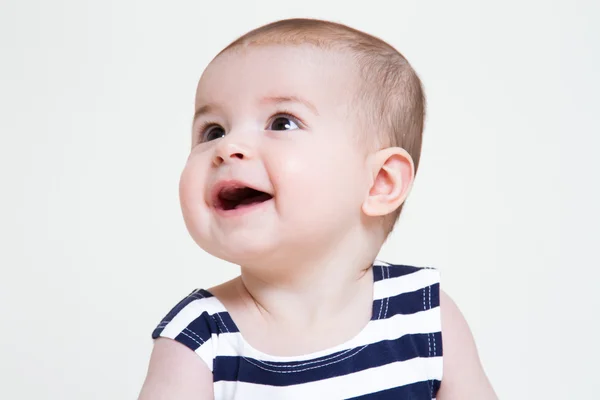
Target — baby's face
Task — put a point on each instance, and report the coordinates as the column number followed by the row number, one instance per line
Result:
column 275, row 169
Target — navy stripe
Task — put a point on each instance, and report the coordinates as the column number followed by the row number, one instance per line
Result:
column 417, row 390
column 229, row 368
column 393, row 271
column 407, row 303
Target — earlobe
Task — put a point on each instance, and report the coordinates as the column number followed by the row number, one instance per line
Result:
column 393, row 175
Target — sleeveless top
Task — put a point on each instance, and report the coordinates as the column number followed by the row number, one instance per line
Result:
column 397, row 355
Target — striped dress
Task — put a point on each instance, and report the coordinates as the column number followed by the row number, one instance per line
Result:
column 397, row 355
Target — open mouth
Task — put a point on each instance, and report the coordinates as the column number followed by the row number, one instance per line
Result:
column 231, row 198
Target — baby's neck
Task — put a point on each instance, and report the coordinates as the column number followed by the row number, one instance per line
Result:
column 312, row 284
column 320, row 292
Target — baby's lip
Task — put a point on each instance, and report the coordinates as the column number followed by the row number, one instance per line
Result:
column 219, row 186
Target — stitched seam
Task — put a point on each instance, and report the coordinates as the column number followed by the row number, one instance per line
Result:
column 383, row 277
column 432, row 334
column 428, row 336
column 222, row 322
column 387, row 299
column 217, row 322
column 433, row 337
column 425, row 309
column 197, row 342
column 429, row 289
column 195, row 334
column 306, row 369
column 306, row 363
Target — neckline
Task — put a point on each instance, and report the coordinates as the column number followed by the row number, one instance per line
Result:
column 246, row 350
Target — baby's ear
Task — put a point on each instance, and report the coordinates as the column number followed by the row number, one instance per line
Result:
column 393, row 172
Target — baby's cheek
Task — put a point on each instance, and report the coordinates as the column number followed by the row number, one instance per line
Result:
column 310, row 184
column 301, row 172
column 191, row 187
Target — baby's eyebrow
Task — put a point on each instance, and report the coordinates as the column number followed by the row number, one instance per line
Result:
column 290, row 99
column 211, row 108
column 205, row 109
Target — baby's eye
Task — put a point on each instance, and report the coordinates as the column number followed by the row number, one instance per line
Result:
column 283, row 123
column 212, row 133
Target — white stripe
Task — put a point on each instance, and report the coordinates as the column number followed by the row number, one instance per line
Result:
column 356, row 384
column 405, row 284
column 233, row 344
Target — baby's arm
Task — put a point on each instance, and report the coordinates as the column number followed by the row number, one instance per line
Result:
column 464, row 378
column 176, row 372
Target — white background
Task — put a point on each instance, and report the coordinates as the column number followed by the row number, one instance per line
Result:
column 96, row 100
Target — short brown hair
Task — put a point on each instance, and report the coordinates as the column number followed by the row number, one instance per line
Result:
column 391, row 98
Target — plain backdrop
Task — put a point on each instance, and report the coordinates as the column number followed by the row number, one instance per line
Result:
column 96, row 100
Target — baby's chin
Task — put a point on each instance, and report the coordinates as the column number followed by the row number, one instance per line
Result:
column 269, row 244
column 256, row 250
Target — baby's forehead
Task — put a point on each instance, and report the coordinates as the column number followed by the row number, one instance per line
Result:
column 306, row 72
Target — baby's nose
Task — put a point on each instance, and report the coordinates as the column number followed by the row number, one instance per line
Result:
column 229, row 150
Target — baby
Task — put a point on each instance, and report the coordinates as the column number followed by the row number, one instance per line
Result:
column 306, row 140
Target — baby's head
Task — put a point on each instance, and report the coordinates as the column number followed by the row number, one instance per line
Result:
column 306, row 138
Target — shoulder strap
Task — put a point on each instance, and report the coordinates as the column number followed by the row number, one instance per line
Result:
column 192, row 324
